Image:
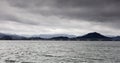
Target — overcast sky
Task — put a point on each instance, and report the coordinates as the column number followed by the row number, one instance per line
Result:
column 60, row 16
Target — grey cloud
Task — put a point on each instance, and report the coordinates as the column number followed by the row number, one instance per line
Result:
column 30, row 3
column 93, row 10
column 105, row 12
column 16, row 19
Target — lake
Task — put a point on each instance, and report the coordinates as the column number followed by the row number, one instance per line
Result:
column 59, row 52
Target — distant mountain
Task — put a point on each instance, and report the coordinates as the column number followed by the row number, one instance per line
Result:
column 54, row 35
column 1, row 35
column 117, row 38
column 5, row 37
column 93, row 37
column 59, row 38
column 10, row 37
column 34, row 38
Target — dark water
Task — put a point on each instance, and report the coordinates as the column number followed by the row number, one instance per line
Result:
column 59, row 52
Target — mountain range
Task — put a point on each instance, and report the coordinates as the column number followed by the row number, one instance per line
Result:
column 94, row 36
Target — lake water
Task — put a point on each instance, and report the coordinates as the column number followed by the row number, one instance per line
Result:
column 59, row 52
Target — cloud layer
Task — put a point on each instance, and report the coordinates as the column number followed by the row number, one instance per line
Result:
column 60, row 16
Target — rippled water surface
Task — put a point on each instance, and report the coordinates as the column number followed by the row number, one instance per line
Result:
column 59, row 52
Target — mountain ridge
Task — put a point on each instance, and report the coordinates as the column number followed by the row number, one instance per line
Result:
column 93, row 36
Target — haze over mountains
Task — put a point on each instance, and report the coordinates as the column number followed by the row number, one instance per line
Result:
column 94, row 36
